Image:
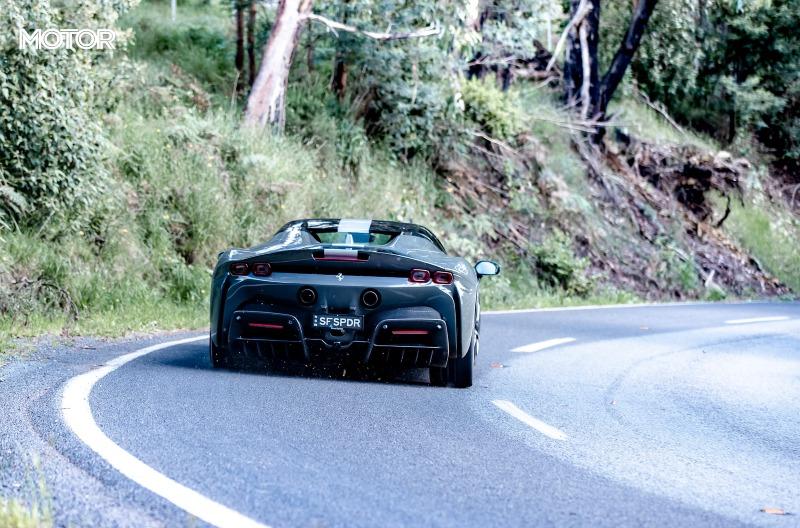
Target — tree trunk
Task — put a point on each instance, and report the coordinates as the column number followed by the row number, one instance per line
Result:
column 239, row 46
column 628, row 46
column 310, row 43
column 577, row 69
column 593, row 36
column 573, row 69
column 477, row 14
column 251, row 42
column 265, row 106
column 339, row 78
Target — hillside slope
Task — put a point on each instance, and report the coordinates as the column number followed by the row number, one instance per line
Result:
column 660, row 215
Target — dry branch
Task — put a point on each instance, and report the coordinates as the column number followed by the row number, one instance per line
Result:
column 661, row 110
column 335, row 27
column 586, row 66
column 583, row 9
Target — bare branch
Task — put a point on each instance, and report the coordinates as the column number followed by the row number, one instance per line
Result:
column 586, row 65
column 583, row 9
column 335, row 27
column 661, row 110
column 499, row 143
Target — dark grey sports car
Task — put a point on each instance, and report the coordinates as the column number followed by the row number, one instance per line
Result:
column 377, row 292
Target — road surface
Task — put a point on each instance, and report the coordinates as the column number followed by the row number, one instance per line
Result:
column 671, row 415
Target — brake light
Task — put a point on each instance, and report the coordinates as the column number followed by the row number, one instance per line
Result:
column 239, row 268
column 409, row 332
column 341, row 255
column 442, row 277
column 419, row 276
column 262, row 269
column 268, row 326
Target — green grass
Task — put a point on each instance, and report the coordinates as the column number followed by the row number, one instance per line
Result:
column 647, row 124
column 36, row 512
column 14, row 514
column 515, row 289
column 198, row 42
column 771, row 235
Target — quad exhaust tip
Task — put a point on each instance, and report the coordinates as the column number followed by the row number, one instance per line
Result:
column 370, row 298
column 307, row 295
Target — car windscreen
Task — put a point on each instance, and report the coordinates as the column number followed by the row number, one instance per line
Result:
column 341, row 237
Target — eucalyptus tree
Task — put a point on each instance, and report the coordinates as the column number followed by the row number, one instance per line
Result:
column 266, row 103
column 584, row 88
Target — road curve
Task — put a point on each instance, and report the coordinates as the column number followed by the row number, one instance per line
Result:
column 671, row 415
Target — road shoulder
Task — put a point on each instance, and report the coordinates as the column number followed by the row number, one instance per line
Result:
column 42, row 463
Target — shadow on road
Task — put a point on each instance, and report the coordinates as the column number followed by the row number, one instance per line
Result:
column 196, row 357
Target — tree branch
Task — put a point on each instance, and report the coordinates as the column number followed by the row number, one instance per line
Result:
column 661, row 110
column 583, row 9
column 334, row 26
column 628, row 46
column 586, row 65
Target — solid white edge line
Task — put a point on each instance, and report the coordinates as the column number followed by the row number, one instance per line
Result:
column 541, row 345
column 621, row 306
column 78, row 417
column 757, row 320
column 527, row 419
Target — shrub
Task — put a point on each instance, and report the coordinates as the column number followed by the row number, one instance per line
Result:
column 494, row 111
column 557, row 265
column 51, row 148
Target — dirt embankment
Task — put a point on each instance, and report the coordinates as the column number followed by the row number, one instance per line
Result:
column 646, row 220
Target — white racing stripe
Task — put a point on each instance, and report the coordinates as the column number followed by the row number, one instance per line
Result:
column 78, row 417
column 354, row 225
column 756, row 320
column 541, row 345
column 527, row 419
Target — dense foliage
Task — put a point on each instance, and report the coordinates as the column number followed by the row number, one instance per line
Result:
column 725, row 67
column 51, row 143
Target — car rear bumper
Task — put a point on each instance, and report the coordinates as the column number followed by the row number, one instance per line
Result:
column 401, row 341
column 275, row 300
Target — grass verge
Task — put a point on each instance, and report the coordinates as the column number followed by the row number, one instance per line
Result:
column 14, row 514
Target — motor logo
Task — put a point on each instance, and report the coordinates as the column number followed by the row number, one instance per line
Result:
column 50, row 39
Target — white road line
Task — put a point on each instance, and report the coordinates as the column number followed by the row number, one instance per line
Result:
column 78, row 416
column 541, row 345
column 618, row 306
column 756, row 320
column 527, row 419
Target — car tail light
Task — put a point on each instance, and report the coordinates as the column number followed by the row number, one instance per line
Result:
column 262, row 269
column 410, row 332
column 442, row 277
column 239, row 268
column 419, row 276
column 268, row 326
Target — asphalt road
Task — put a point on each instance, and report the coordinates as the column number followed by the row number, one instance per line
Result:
column 681, row 415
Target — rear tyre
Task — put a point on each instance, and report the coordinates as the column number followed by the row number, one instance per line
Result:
column 462, row 367
column 438, row 376
column 219, row 359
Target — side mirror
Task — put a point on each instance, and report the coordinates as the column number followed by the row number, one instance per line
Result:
column 486, row 267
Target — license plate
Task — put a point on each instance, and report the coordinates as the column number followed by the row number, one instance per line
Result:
column 345, row 322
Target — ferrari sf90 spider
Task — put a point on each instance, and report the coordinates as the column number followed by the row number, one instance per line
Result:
column 375, row 292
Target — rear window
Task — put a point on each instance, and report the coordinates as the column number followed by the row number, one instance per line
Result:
column 339, row 237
